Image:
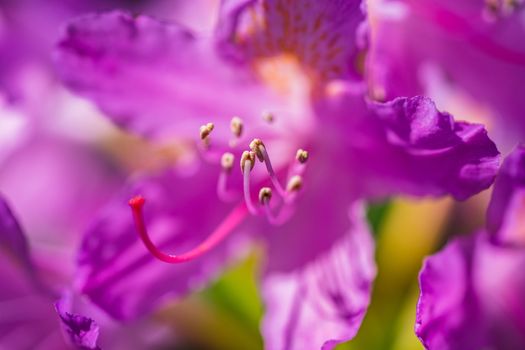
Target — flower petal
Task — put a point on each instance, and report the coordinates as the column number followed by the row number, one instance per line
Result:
column 12, row 238
column 461, row 44
column 470, row 297
column 117, row 271
column 506, row 213
column 325, row 36
column 323, row 303
column 27, row 320
column 82, row 331
column 413, row 148
column 24, row 298
column 158, row 78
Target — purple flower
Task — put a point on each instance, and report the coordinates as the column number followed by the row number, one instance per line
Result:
column 293, row 75
column 472, row 291
column 465, row 53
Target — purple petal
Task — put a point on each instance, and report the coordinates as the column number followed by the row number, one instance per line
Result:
column 158, row 78
column 471, row 296
column 119, row 274
column 323, row 303
column 81, row 331
column 14, row 244
column 24, row 298
column 325, row 36
column 27, row 320
column 73, row 181
column 414, row 148
column 12, row 238
column 507, row 206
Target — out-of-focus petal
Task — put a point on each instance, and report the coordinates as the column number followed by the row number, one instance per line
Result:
column 470, row 297
column 12, row 238
column 506, row 213
column 26, row 305
column 157, row 78
column 323, row 303
column 73, row 181
column 81, row 331
column 117, row 271
column 27, row 320
column 325, row 36
column 445, row 299
column 462, row 42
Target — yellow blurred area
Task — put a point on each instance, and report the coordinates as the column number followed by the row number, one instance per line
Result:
column 411, row 230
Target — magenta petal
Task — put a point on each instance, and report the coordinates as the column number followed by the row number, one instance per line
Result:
column 157, row 78
column 507, row 206
column 323, row 303
column 81, row 331
column 26, row 317
column 117, row 271
column 12, row 238
column 471, row 297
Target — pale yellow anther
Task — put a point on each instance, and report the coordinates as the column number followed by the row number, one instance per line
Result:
column 301, row 156
column 227, row 160
column 295, row 183
column 268, row 116
column 265, row 195
column 205, row 130
column 236, row 126
column 257, row 147
column 247, row 156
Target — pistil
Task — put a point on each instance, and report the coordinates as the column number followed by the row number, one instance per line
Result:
column 247, row 163
column 225, row 228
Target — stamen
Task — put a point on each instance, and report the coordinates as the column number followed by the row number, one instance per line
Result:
column 265, row 195
column 257, row 146
column 247, row 156
column 236, row 126
column 205, row 131
column 224, row 229
column 301, row 156
column 294, row 184
column 248, row 166
column 227, row 160
column 276, row 220
column 268, row 117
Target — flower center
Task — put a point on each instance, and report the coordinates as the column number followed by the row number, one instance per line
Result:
column 276, row 212
column 284, row 74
